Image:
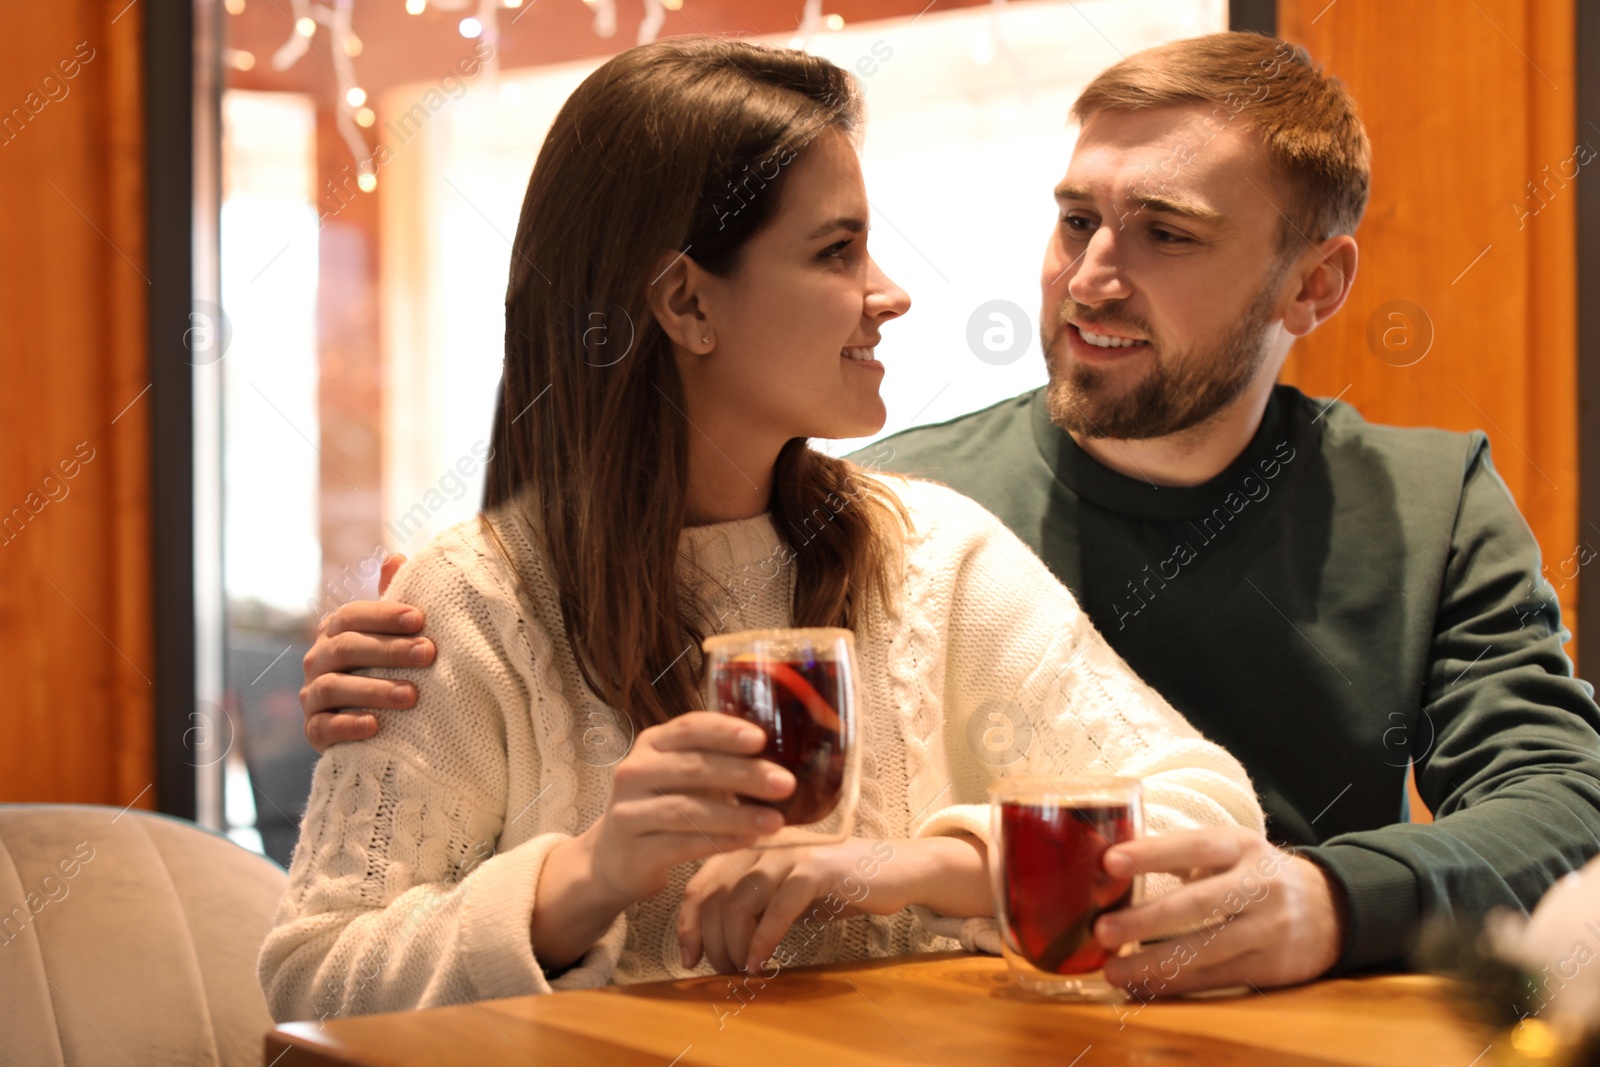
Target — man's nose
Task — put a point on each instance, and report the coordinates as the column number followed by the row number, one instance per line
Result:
column 1099, row 276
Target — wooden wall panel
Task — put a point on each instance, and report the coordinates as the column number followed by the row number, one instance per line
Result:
column 75, row 641
column 1466, row 105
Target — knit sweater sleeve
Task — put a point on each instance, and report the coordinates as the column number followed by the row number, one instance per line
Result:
column 1031, row 687
column 400, row 893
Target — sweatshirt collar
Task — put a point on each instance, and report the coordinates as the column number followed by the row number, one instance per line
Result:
column 1089, row 479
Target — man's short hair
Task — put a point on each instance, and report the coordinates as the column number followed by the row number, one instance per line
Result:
column 1306, row 119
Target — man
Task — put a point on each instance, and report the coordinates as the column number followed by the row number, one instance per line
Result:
column 1332, row 601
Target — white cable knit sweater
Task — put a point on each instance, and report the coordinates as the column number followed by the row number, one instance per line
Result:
column 413, row 882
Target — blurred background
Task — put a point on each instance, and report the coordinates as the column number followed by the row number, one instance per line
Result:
column 367, row 299
column 255, row 256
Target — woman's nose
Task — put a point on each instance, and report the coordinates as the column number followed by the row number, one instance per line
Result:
column 885, row 299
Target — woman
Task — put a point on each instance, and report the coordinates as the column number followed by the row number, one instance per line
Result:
column 691, row 298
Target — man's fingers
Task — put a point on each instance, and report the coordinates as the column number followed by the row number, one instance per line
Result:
column 336, row 692
column 391, row 563
column 1205, row 901
column 375, row 617
column 1186, row 966
column 324, row 700
column 1211, row 849
column 350, row 651
column 327, row 730
column 1243, row 969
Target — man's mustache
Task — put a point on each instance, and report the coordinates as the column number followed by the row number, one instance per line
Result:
column 1070, row 310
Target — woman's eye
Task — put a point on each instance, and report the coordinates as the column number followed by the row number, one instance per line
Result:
column 833, row 250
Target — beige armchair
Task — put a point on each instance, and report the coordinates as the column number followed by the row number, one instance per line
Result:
column 127, row 937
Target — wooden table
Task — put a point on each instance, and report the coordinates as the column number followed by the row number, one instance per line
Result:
column 924, row 1011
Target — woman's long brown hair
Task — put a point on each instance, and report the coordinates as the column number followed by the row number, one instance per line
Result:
column 678, row 146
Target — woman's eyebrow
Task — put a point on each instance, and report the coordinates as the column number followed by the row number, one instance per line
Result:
column 851, row 223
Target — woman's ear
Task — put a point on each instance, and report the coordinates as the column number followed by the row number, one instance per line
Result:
column 677, row 298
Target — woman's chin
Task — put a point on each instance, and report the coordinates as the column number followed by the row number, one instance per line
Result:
column 869, row 423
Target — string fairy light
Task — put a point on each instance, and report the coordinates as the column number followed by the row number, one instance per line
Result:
column 308, row 16
column 984, row 50
column 605, row 17
column 655, row 13
column 351, row 110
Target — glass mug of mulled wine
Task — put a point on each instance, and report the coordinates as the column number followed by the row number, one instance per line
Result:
column 799, row 686
column 1048, row 838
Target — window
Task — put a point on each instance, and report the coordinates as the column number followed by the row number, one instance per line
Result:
column 367, row 322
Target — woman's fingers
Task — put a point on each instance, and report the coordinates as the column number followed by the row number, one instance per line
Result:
column 702, row 773
column 782, row 911
column 691, row 945
column 712, row 933
column 746, row 901
column 674, row 798
column 706, row 895
column 702, row 753
column 679, row 813
column 669, row 850
column 709, row 730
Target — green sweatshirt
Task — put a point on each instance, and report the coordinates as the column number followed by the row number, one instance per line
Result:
column 1343, row 600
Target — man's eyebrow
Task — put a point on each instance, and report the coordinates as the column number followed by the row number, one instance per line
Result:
column 849, row 222
column 1166, row 205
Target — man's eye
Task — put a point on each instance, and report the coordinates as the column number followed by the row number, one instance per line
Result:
column 1167, row 237
column 1078, row 224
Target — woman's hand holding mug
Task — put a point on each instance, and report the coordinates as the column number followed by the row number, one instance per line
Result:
column 672, row 801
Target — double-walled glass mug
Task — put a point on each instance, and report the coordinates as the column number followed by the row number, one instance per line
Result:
column 799, row 686
column 1048, row 838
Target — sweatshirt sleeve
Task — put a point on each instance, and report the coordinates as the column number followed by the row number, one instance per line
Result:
column 1031, row 687
column 1507, row 759
column 400, row 895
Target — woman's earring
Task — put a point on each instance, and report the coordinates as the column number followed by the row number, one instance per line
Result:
column 705, row 340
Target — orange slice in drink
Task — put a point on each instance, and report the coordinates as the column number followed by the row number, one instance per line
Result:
column 821, row 712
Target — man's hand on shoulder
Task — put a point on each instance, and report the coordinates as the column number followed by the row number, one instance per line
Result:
column 360, row 634
column 1271, row 918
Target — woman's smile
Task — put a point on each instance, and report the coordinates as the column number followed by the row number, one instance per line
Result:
column 862, row 356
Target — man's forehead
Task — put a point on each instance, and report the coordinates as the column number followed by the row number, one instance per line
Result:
column 1193, row 122
column 1179, row 155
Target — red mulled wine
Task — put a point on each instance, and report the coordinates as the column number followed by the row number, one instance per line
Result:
column 1055, row 886
column 796, row 702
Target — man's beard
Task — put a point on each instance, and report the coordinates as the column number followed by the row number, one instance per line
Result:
column 1174, row 395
